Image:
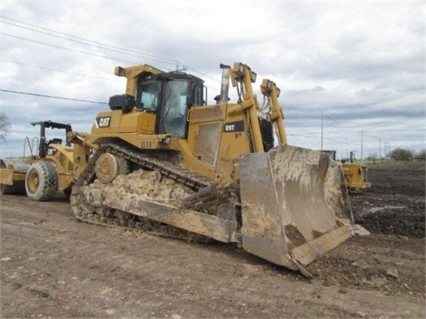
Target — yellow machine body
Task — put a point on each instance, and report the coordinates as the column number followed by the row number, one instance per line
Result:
column 356, row 175
column 47, row 169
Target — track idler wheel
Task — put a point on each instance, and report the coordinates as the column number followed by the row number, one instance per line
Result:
column 106, row 168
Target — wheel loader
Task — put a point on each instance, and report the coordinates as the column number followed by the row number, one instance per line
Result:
column 46, row 170
column 161, row 157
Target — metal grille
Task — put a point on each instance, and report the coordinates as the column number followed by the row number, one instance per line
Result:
column 205, row 113
column 207, row 142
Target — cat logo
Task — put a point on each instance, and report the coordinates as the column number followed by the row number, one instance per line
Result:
column 102, row 122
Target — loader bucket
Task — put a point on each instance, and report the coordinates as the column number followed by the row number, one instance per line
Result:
column 295, row 205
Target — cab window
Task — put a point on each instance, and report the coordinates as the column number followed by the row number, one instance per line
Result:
column 148, row 96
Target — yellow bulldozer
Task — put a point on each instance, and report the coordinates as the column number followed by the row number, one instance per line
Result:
column 46, row 170
column 356, row 174
column 161, row 157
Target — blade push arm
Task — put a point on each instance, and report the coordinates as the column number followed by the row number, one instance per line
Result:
column 242, row 78
column 271, row 92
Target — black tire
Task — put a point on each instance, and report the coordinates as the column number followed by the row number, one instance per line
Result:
column 41, row 181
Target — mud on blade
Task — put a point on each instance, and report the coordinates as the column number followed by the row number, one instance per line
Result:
column 295, row 206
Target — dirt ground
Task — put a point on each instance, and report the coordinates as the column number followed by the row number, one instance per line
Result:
column 55, row 267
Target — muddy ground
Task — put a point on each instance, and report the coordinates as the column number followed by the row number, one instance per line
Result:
column 55, row 267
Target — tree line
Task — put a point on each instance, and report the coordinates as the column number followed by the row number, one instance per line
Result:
column 401, row 154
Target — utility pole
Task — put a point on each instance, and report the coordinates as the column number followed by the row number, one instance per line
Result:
column 362, row 144
column 322, row 129
column 386, row 151
column 380, row 147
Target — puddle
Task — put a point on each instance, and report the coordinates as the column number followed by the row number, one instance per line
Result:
column 389, row 207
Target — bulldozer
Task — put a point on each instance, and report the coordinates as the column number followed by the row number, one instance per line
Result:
column 161, row 159
column 356, row 174
column 46, row 170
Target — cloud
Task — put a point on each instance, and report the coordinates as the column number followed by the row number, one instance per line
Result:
column 360, row 65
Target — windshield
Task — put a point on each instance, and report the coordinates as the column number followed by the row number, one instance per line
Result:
column 148, row 96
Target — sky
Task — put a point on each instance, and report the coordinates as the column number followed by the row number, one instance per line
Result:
column 351, row 73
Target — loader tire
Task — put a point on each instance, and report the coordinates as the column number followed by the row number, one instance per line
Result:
column 41, row 181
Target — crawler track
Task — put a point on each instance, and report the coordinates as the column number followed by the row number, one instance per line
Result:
column 106, row 216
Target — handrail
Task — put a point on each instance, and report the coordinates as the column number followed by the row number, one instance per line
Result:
column 35, row 140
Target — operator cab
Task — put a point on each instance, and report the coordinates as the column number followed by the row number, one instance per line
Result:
column 169, row 96
column 46, row 147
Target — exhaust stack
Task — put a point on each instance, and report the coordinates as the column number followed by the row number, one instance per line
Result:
column 224, row 89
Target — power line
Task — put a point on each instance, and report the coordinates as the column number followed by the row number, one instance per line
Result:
column 55, row 70
column 337, row 122
column 65, row 48
column 104, row 46
column 82, row 52
column 77, row 39
column 52, row 96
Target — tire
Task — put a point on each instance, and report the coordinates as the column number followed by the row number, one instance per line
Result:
column 41, row 181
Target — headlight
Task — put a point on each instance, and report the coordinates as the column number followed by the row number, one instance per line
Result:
column 166, row 140
column 253, row 76
column 241, row 69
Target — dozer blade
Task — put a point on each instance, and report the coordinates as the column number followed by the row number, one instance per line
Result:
column 295, row 205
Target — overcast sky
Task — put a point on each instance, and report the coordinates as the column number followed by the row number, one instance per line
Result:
column 355, row 69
